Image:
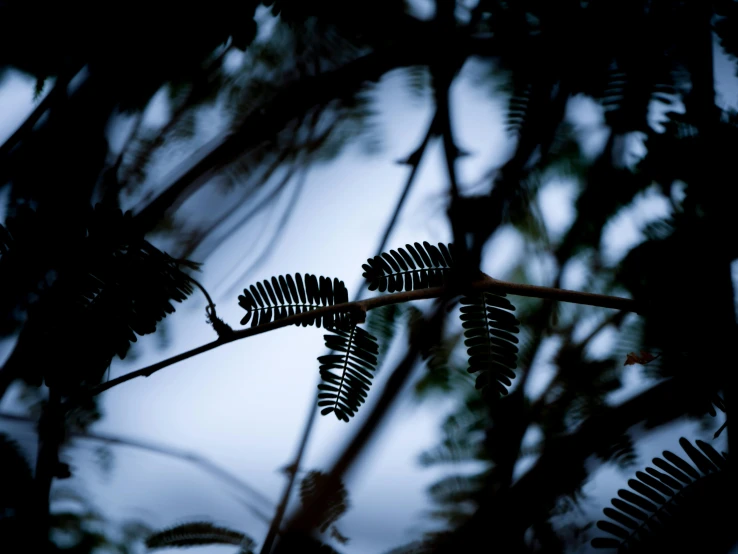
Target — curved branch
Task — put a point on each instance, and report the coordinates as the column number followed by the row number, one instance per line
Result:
column 486, row 283
column 189, row 456
column 297, row 98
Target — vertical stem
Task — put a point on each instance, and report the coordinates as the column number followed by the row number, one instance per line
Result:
column 414, row 161
column 50, row 432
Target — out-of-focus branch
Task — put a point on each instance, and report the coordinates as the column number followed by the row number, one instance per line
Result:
column 298, row 98
column 506, row 515
column 485, row 284
column 188, row 456
column 413, row 160
column 196, row 93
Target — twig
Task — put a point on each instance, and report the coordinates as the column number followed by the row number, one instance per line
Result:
column 299, row 97
column 484, row 284
column 191, row 457
column 427, row 333
column 50, row 436
column 271, row 244
column 197, row 90
column 414, row 161
column 508, row 514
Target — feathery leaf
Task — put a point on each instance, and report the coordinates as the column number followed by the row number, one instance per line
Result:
column 199, row 533
column 652, row 510
column 411, row 268
column 344, row 392
column 490, row 332
column 284, row 296
column 337, row 502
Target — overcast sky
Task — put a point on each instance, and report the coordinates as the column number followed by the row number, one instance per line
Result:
column 243, row 405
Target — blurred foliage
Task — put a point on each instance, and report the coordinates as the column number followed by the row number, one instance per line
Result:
column 290, row 83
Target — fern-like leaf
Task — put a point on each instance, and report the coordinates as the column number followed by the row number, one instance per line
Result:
column 197, row 534
column 410, row 268
column 284, row 296
column 344, row 392
column 490, row 332
column 518, row 107
column 335, row 506
column 667, row 504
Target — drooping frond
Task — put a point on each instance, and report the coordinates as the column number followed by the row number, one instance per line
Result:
column 197, row 534
column 335, row 506
column 490, row 330
column 284, row 296
column 410, row 268
column 666, row 506
column 343, row 392
column 383, row 324
column 518, row 106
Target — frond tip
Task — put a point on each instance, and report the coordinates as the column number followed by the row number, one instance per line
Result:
column 490, row 330
column 197, row 534
column 344, row 392
column 337, row 499
column 284, row 296
column 410, row 268
column 677, row 505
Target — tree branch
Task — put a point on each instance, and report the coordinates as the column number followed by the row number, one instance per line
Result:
column 508, row 514
column 486, row 283
column 298, row 98
column 188, row 456
column 413, row 160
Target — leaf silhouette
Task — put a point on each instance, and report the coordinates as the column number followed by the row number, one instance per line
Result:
column 668, row 505
column 490, row 332
column 344, row 392
column 197, row 534
column 410, row 268
column 284, row 296
column 335, row 506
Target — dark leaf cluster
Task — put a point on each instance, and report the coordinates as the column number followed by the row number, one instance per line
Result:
column 410, row 268
column 490, row 332
column 672, row 506
column 343, row 392
column 284, row 296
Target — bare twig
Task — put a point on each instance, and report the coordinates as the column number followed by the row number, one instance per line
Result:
column 186, row 455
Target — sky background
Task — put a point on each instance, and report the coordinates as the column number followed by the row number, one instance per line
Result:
column 243, row 405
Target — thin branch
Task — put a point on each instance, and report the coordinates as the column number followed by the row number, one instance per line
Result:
column 198, row 90
column 428, row 332
column 413, row 160
column 50, row 436
column 484, row 284
column 26, row 128
column 299, row 97
column 188, row 456
column 508, row 514
column 268, row 250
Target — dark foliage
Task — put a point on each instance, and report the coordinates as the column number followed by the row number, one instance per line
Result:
column 342, row 393
column 107, row 286
column 674, row 505
column 285, row 296
column 410, row 268
column 336, row 505
column 490, row 330
column 199, row 533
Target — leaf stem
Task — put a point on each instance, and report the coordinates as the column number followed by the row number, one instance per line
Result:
column 486, row 283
